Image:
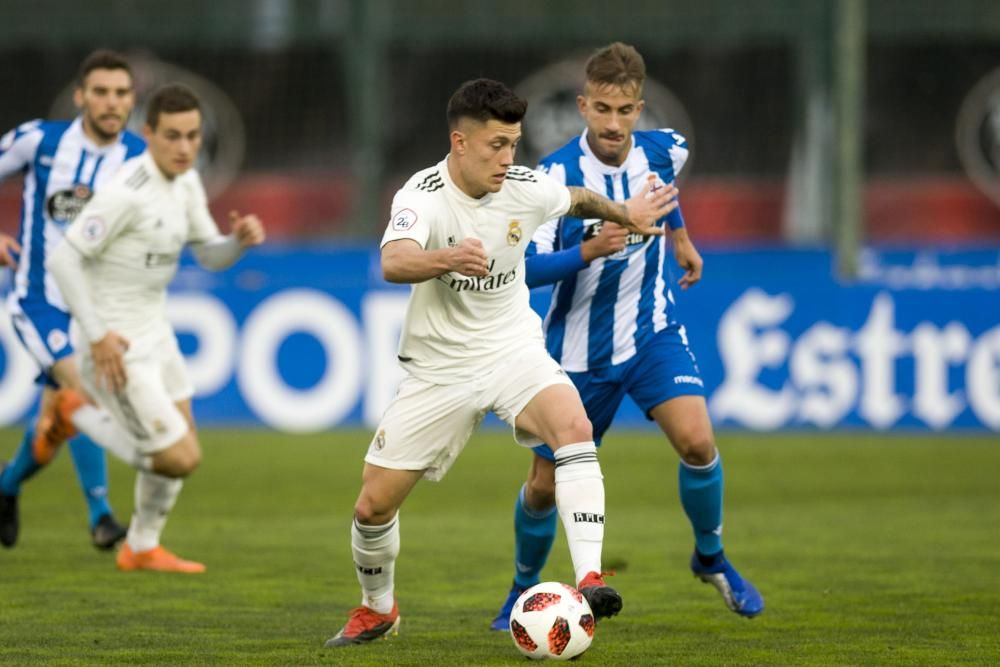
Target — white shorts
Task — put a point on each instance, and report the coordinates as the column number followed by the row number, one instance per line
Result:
column 427, row 425
column 147, row 408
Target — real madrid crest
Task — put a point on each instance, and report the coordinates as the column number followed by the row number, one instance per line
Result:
column 379, row 440
column 514, row 233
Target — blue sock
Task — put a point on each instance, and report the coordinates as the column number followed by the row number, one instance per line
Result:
column 21, row 467
column 701, row 497
column 92, row 471
column 534, row 533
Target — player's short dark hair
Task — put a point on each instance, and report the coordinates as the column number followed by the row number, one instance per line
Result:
column 102, row 59
column 485, row 99
column 617, row 64
column 170, row 98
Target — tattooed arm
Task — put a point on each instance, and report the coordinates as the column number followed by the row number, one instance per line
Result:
column 638, row 214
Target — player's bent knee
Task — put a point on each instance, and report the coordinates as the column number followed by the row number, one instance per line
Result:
column 369, row 515
column 696, row 450
column 372, row 511
column 178, row 460
column 579, row 429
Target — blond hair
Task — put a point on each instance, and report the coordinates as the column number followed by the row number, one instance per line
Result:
column 617, row 64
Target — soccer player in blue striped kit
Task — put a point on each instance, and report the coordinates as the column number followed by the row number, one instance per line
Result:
column 611, row 323
column 63, row 162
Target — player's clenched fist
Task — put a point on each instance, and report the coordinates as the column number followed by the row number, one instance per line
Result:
column 609, row 240
column 247, row 228
column 469, row 258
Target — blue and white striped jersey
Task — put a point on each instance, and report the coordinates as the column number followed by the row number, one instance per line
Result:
column 61, row 168
column 603, row 313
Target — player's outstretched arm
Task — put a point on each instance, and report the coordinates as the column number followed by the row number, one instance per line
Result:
column 221, row 252
column 405, row 261
column 639, row 214
column 9, row 248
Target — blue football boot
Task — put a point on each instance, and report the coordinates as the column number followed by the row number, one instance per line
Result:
column 502, row 621
column 738, row 593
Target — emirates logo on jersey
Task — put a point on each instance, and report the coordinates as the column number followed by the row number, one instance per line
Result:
column 488, row 283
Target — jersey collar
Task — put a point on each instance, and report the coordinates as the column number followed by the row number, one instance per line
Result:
column 604, row 168
column 152, row 169
column 456, row 192
column 88, row 143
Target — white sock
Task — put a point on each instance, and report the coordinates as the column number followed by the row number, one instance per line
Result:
column 375, row 549
column 580, row 499
column 106, row 432
column 155, row 496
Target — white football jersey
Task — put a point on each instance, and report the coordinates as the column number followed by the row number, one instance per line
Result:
column 457, row 326
column 132, row 232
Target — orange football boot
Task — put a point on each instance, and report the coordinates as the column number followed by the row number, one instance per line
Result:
column 366, row 625
column 156, row 559
column 55, row 425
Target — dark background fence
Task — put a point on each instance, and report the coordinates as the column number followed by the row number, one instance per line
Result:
column 325, row 106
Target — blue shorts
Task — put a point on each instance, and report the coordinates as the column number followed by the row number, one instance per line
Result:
column 664, row 368
column 44, row 333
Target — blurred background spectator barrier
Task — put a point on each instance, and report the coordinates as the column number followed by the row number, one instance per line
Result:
column 304, row 339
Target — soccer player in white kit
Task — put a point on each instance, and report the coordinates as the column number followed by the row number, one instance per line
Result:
column 113, row 269
column 471, row 343
column 62, row 163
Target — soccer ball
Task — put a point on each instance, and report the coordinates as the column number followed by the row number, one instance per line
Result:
column 552, row 621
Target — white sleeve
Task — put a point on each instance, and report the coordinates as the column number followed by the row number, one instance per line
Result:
column 410, row 219
column 201, row 224
column 218, row 253
column 67, row 266
column 101, row 221
column 554, row 196
column 544, row 239
column 18, row 147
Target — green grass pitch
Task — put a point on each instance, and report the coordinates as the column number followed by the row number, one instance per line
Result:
column 869, row 550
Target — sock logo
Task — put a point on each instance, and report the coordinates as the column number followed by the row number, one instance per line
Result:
column 588, row 517
column 369, row 571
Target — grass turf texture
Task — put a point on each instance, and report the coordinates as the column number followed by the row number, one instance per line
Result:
column 868, row 550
